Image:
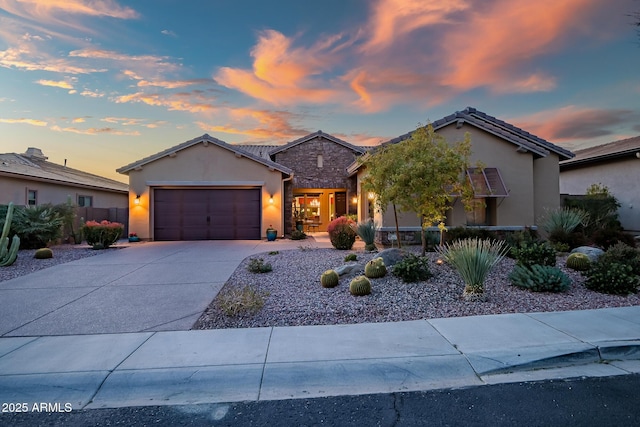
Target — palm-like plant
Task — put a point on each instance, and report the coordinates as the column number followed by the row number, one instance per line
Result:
column 473, row 259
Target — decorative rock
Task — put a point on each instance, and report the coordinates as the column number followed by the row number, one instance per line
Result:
column 590, row 251
column 392, row 256
column 349, row 268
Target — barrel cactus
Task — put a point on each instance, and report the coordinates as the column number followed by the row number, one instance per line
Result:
column 329, row 279
column 43, row 253
column 375, row 268
column 578, row 261
column 8, row 254
column 360, row 286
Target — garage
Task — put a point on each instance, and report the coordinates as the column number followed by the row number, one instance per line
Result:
column 207, row 214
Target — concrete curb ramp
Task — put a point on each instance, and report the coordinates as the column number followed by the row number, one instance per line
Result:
column 226, row 365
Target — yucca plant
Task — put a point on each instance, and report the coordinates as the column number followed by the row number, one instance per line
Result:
column 366, row 230
column 473, row 259
column 564, row 220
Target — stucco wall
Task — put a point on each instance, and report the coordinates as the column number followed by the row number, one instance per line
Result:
column 621, row 177
column 15, row 190
column 203, row 166
column 546, row 181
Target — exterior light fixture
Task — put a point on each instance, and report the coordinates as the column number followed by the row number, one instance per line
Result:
column 271, row 199
column 371, row 195
column 137, row 199
column 354, row 200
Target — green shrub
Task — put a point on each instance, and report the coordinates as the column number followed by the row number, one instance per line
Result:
column 473, row 259
column 540, row 278
column 341, row 233
column 367, row 232
column 43, row 253
column 607, row 237
column 578, row 262
column 564, row 240
column 563, row 220
column 257, row 265
column 329, row 279
column 298, row 235
column 102, row 234
column 246, row 300
column 412, row 268
column 463, row 233
column 36, row 226
column 534, row 253
column 623, row 254
column 375, row 268
column 351, row 257
column 611, row 277
column 360, row 286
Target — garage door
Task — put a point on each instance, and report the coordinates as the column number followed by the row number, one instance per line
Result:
column 206, row 214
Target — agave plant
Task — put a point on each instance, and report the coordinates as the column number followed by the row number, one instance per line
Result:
column 367, row 232
column 473, row 259
column 563, row 220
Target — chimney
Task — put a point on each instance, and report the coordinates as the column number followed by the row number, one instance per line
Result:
column 35, row 153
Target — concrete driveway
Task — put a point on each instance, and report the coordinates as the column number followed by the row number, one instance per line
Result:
column 154, row 286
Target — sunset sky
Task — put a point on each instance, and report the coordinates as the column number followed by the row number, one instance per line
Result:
column 103, row 83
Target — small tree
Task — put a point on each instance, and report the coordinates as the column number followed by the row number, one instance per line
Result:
column 422, row 174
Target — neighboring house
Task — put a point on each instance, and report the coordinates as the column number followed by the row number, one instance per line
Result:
column 615, row 165
column 520, row 179
column 28, row 179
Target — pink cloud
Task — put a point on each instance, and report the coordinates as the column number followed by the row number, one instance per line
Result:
column 33, row 122
column 272, row 126
column 184, row 101
column 94, row 131
column 53, row 83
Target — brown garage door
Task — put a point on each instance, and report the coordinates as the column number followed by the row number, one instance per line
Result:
column 206, row 214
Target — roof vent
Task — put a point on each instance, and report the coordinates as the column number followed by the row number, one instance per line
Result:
column 35, row 153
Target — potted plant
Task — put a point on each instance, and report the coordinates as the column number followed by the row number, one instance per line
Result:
column 272, row 233
column 133, row 237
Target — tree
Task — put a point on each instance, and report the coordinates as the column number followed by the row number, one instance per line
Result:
column 422, row 174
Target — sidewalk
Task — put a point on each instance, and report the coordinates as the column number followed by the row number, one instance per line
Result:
column 227, row 365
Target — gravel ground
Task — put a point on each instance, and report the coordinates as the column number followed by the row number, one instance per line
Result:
column 295, row 296
column 26, row 263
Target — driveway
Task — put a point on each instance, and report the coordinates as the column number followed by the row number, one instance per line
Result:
column 154, row 286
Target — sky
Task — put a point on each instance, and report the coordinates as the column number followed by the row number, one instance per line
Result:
column 103, row 83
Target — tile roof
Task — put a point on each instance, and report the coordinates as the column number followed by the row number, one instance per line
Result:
column 257, row 149
column 37, row 167
column 605, row 152
column 356, row 148
column 523, row 139
column 204, row 139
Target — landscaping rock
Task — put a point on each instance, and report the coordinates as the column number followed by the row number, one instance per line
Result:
column 590, row 251
column 392, row 256
column 349, row 268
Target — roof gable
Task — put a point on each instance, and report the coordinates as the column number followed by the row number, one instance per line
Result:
column 605, row 152
column 354, row 148
column 521, row 138
column 205, row 140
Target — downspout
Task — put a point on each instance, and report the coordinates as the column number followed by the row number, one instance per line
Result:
column 283, row 198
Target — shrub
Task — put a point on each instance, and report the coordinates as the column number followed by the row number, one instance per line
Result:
column 412, row 268
column 43, row 253
column 623, row 254
column 567, row 241
column 607, row 237
column 102, row 234
column 367, row 232
column 329, row 279
column 611, row 278
column 234, row 302
column 463, row 233
column 534, row 253
column 578, row 262
column 351, row 257
column 563, row 220
column 540, row 278
column 341, row 233
column 375, row 268
column 473, row 259
column 36, row 226
column 298, row 235
column 360, row 286
column 257, row 265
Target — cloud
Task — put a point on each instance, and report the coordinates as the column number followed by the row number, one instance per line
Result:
column 165, row 84
column 33, row 122
column 193, row 101
column 94, row 131
column 91, row 94
column 78, row 120
column 53, row 83
column 28, row 60
column 572, row 123
column 168, row 33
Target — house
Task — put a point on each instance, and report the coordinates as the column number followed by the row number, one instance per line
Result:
column 29, row 179
column 615, row 165
column 520, row 178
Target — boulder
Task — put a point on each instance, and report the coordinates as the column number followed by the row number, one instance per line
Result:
column 349, row 268
column 392, row 256
column 590, row 251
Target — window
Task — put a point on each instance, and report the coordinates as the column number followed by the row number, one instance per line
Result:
column 32, row 197
column 487, row 182
column 320, row 161
column 85, row 201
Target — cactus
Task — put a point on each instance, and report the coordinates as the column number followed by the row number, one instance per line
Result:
column 329, row 279
column 375, row 268
column 8, row 254
column 43, row 253
column 578, row 261
column 360, row 286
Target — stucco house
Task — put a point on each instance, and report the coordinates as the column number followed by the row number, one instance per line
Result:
column 615, row 165
column 520, row 179
column 29, row 179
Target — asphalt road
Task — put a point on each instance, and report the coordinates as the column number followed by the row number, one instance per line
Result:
column 610, row 401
